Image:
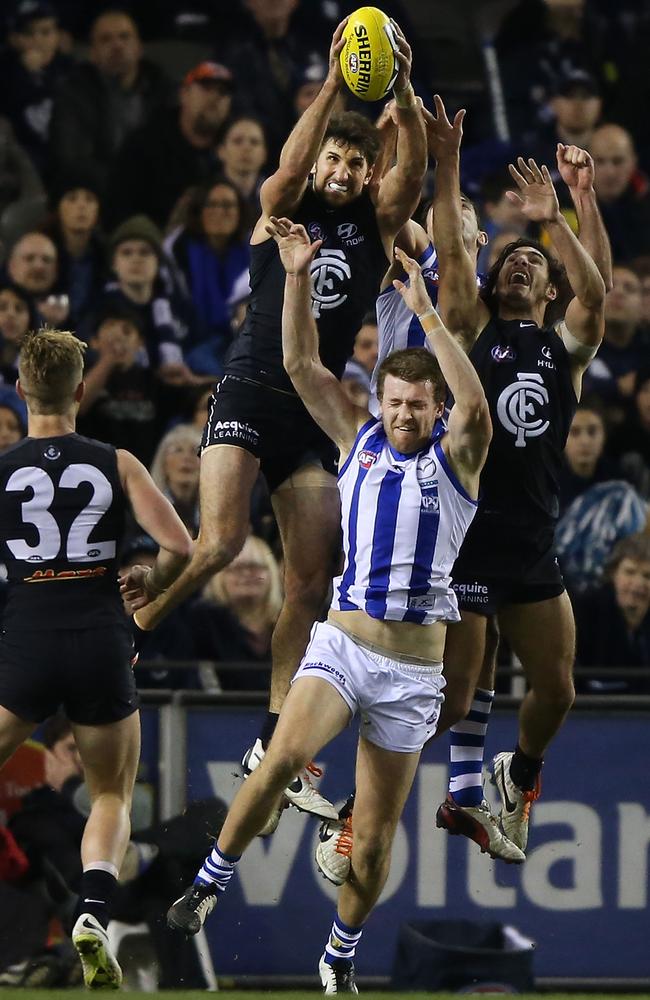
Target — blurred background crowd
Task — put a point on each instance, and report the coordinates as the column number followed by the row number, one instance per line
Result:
column 133, row 144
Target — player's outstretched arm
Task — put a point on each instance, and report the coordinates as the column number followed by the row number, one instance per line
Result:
column 155, row 514
column 576, row 169
column 398, row 195
column 470, row 428
column 458, row 296
column 318, row 388
column 281, row 192
column 584, row 319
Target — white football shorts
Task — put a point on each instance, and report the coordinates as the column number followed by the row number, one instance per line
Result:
column 399, row 703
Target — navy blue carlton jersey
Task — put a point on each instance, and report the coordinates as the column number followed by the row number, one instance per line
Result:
column 525, row 372
column 346, row 274
column 62, row 513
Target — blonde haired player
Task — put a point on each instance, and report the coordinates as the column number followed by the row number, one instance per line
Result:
column 65, row 639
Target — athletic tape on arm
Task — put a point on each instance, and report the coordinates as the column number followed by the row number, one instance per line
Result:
column 575, row 348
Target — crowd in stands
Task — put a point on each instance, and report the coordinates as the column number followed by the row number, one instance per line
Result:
column 129, row 183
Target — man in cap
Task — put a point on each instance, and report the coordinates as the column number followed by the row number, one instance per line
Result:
column 183, row 139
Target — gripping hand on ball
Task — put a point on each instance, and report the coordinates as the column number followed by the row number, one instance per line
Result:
column 336, row 47
column 296, row 251
column 403, row 58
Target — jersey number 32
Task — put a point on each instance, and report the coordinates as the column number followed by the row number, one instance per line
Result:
column 36, row 511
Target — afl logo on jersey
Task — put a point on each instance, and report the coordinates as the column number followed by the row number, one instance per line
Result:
column 505, row 353
column 330, row 272
column 518, row 407
column 52, row 452
column 315, row 231
column 367, row 458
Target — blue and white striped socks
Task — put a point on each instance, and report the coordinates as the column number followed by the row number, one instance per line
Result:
column 342, row 942
column 217, row 869
column 466, row 749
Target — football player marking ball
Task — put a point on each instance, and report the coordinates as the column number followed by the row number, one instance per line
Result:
column 367, row 59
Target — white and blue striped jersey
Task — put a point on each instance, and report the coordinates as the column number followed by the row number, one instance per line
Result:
column 398, row 327
column 404, row 518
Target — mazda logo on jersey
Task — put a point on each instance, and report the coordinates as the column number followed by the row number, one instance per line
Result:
column 426, row 469
column 367, row 458
column 329, row 271
column 518, row 407
column 346, row 230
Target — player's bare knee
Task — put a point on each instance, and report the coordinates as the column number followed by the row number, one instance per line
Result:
column 306, row 589
column 284, row 764
column 214, row 553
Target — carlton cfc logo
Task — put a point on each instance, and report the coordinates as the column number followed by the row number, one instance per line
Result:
column 367, row 458
column 330, row 273
column 518, row 407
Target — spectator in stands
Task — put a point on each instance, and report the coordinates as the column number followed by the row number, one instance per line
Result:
column 21, row 189
column 630, row 442
column 624, row 347
column 123, row 401
column 213, row 255
column 242, row 152
column 356, row 383
column 538, row 41
column 33, row 266
column 613, row 621
column 135, row 250
column 623, row 192
column 74, row 228
column 175, row 149
column 641, row 267
column 175, row 471
column 366, row 344
column 105, row 98
column 172, row 641
column 576, row 107
column 17, row 316
column 235, row 619
column 272, row 51
column 30, row 69
column 307, row 84
column 584, row 454
column 13, row 419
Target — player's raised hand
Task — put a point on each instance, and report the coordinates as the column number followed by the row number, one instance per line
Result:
column 576, row 167
column 296, row 250
column 403, row 58
column 537, row 198
column 443, row 137
column 336, row 47
column 415, row 293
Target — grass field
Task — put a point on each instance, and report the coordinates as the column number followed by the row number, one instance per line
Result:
column 40, row 994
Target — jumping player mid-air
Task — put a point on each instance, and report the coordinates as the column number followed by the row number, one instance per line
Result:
column 65, row 637
column 470, row 682
column 256, row 420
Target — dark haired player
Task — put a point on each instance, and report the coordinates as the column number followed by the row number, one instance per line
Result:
column 256, row 420
column 65, row 638
column 532, row 375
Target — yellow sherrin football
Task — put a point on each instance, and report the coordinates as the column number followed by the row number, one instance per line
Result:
column 368, row 59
